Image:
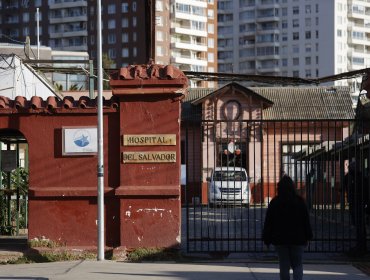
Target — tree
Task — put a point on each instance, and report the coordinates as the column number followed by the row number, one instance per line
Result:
column 106, row 63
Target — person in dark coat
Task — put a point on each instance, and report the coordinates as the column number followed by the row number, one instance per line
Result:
column 287, row 226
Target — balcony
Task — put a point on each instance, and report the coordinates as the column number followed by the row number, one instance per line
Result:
column 265, row 18
column 189, row 16
column 66, row 34
column 188, row 31
column 187, row 45
column 74, row 48
column 197, row 3
column 71, row 18
column 67, row 4
column 184, row 59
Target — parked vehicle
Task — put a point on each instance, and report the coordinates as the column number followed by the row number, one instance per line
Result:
column 228, row 186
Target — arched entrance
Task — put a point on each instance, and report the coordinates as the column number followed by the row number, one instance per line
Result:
column 13, row 183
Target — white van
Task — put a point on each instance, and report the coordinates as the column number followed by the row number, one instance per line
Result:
column 228, row 186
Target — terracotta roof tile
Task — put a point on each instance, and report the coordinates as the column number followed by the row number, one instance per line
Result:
column 149, row 79
column 52, row 105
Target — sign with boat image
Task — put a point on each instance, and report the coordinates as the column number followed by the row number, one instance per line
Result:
column 80, row 140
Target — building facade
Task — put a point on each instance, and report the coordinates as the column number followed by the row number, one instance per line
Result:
column 71, row 26
column 186, row 35
column 178, row 32
column 298, row 38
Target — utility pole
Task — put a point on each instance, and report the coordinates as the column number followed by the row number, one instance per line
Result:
column 100, row 168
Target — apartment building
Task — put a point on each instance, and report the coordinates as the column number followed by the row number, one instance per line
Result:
column 186, row 35
column 178, row 32
column 70, row 25
column 299, row 38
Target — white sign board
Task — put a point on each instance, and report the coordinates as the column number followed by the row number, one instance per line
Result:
column 80, row 140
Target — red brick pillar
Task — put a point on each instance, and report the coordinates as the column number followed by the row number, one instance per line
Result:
column 149, row 190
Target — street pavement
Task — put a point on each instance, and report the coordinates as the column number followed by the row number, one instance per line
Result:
column 200, row 270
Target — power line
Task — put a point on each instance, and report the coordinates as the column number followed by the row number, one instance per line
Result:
column 11, row 39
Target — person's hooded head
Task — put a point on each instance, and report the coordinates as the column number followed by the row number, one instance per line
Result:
column 286, row 187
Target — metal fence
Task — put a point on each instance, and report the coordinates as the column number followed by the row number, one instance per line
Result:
column 327, row 159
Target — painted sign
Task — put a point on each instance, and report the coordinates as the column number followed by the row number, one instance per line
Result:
column 149, row 140
column 148, row 157
column 80, row 140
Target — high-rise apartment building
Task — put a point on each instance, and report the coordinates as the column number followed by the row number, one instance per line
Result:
column 299, row 38
column 186, row 35
column 178, row 32
column 70, row 25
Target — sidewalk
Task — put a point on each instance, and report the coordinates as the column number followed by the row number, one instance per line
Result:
column 239, row 270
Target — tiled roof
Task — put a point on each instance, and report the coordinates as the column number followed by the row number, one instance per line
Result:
column 52, row 105
column 290, row 103
column 149, row 79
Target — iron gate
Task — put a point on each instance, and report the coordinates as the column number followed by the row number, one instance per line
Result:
column 327, row 159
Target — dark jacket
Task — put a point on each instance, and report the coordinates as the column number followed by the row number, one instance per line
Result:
column 287, row 222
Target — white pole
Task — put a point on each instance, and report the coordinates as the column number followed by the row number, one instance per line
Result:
column 38, row 32
column 100, row 138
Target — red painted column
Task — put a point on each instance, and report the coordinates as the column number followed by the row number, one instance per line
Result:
column 149, row 190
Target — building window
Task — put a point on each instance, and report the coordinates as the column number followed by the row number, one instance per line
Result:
column 211, row 14
column 308, row 9
column 134, row 6
column 296, row 74
column 295, row 35
column 317, row 34
column 339, row 32
column 92, row 40
column 211, row 43
column 284, row 24
column 134, row 36
column 112, row 38
column 358, row 60
column 134, row 51
column 295, row 48
column 124, row 37
column 124, row 22
column 308, row 60
column 134, row 21
column 295, row 22
column 159, row 6
column 158, row 21
column 284, row 62
column 211, row 28
column 211, row 57
column 284, row 11
column 307, row 22
column 26, row 17
column 295, row 61
column 125, row 52
column 159, row 50
column 112, row 24
column 308, row 34
column 111, row 9
column 26, row 31
column 295, row 10
column 159, row 36
column 124, row 8
column 112, row 53
column 308, row 47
